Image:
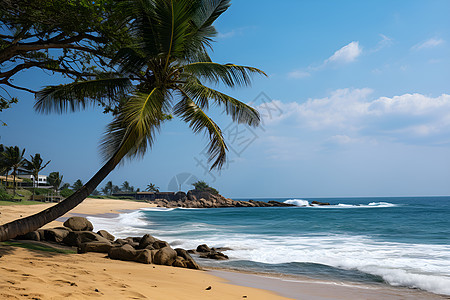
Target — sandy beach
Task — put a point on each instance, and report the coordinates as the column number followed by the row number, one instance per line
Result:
column 32, row 274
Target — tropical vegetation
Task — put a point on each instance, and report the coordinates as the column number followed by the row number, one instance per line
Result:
column 161, row 73
column 202, row 186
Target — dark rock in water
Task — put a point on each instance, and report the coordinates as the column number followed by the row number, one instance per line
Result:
column 203, row 248
column 165, row 256
column 100, row 247
column 79, row 224
column 190, row 262
column 280, row 204
column 76, row 238
column 146, row 241
column 106, row 235
column 320, row 203
column 214, row 255
column 55, row 235
column 34, row 236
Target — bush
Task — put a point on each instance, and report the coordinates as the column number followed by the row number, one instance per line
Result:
column 66, row 192
column 202, row 186
column 4, row 195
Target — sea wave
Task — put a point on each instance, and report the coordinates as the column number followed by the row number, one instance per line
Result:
column 306, row 203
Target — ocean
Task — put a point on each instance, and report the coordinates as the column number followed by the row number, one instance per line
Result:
column 401, row 241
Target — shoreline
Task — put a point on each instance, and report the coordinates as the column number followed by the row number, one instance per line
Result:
column 268, row 285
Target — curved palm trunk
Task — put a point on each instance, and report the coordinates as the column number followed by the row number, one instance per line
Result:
column 22, row 226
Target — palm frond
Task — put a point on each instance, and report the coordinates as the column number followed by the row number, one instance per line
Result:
column 79, row 95
column 239, row 111
column 133, row 130
column 197, row 119
column 230, row 74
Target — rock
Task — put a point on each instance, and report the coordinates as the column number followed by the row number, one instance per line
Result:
column 160, row 244
column 76, row 238
column 79, row 224
column 215, row 255
column 120, row 242
column 125, row 252
column 34, row 236
column 190, row 262
column 106, row 235
column 100, row 247
column 203, row 248
column 55, row 235
column 63, row 228
column 165, row 256
column 179, row 262
column 144, row 256
column 319, row 203
column 145, row 241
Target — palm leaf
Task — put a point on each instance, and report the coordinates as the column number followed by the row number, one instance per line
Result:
column 79, row 95
column 197, row 119
column 230, row 74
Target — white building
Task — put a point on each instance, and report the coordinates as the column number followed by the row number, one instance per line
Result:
column 42, row 179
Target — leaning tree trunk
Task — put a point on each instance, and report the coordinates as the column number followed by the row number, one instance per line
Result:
column 22, row 226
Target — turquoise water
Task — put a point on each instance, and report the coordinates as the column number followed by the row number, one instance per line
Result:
column 396, row 241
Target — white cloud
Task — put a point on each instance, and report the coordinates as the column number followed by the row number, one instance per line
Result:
column 346, row 54
column 385, row 42
column 430, row 43
column 351, row 112
column 298, row 74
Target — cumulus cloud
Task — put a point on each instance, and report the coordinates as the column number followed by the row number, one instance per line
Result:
column 349, row 113
column 346, row 54
column 430, row 43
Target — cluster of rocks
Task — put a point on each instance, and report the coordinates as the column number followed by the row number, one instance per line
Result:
column 200, row 199
column 319, row 203
column 203, row 251
column 77, row 232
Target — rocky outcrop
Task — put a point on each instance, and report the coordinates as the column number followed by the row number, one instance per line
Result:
column 319, row 203
column 202, row 199
column 79, row 224
column 205, row 252
column 146, row 249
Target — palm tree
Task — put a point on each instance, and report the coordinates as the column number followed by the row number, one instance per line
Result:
column 77, row 185
column 109, row 187
column 55, row 180
column 162, row 73
column 126, row 187
column 13, row 159
column 35, row 166
column 152, row 188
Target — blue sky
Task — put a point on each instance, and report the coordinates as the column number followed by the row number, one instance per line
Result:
column 358, row 94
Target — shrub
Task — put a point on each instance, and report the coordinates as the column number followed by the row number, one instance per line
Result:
column 202, row 186
column 66, row 192
column 4, row 195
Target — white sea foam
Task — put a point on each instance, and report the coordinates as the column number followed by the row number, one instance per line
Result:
column 413, row 265
column 305, row 203
column 297, row 202
column 122, row 225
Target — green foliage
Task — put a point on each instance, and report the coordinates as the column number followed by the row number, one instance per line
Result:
column 66, row 192
column 4, row 195
column 202, row 186
column 55, row 180
column 152, row 188
column 41, row 191
column 77, row 185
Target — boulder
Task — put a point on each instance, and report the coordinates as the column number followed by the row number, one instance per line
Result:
column 214, row 255
column 125, row 252
column 79, row 224
column 189, row 261
column 179, row 262
column 165, row 256
column 106, row 235
column 76, row 238
column 160, row 244
column 144, row 256
column 145, row 241
column 203, row 248
column 55, row 235
column 34, row 236
column 100, row 247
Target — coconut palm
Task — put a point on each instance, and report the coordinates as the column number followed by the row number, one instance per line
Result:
column 13, row 159
column 55, row 180
column 35, row 166
column 162, row 73
column 152, row 188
